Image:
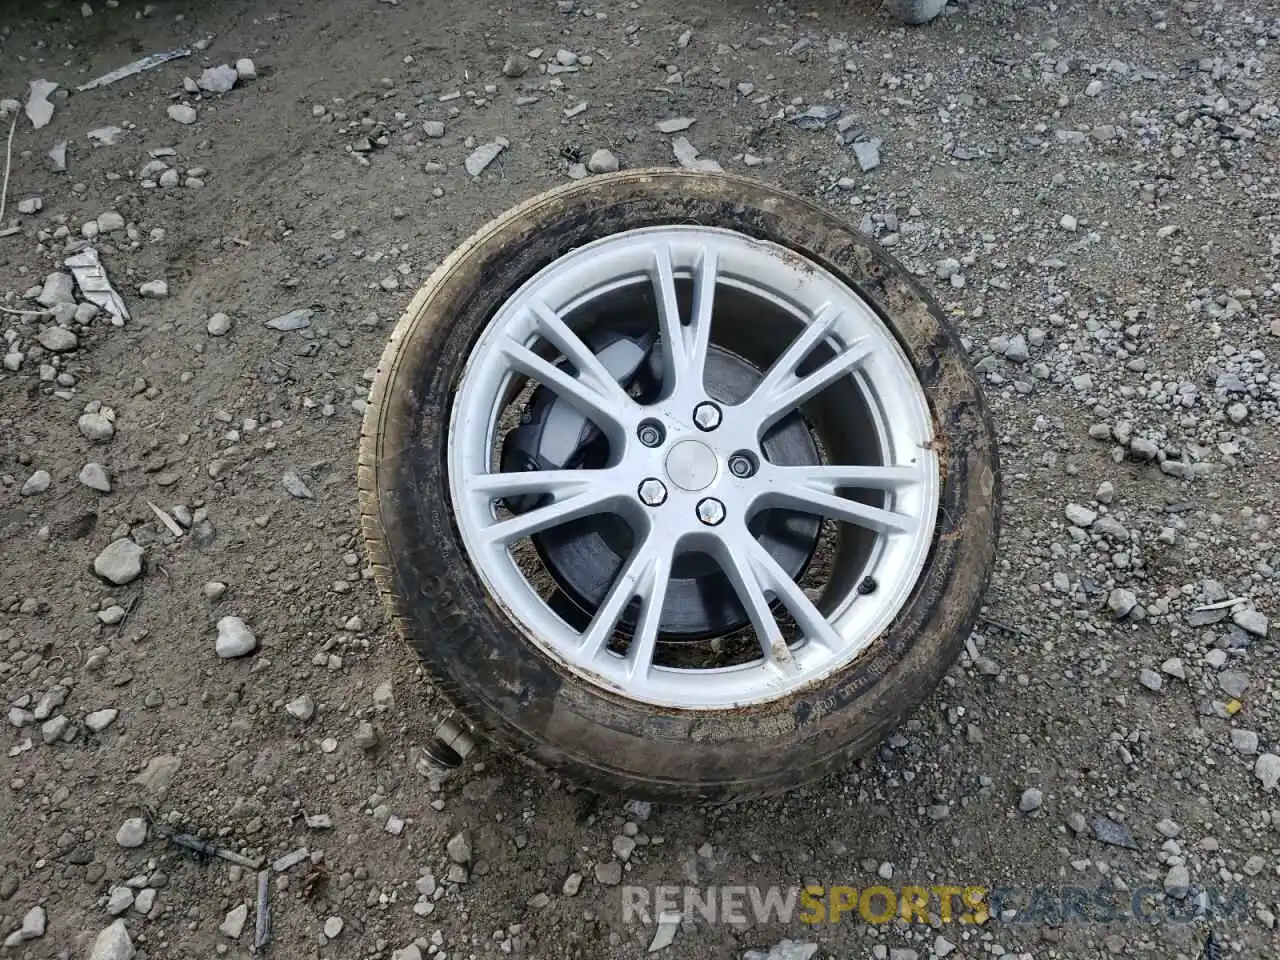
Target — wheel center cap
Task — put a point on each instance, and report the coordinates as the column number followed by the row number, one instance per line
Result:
column 692, row 465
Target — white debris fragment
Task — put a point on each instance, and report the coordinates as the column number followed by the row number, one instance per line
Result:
column 39, row 109
column 687, row 156
column 136, row 67
column 105, row 136
column 220, row 79
column 245, row 69
column 94, row 285
column 182, row 113
column 484, row 155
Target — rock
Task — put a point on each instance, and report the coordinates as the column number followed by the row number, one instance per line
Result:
column 1080, row 516
column 36, row 484
column 623, row 847
column 58, row 339
column 58, row 156
column 1173, row 667
column 1267, row 770
column 217, row 79
column 675, row 124
column 383, row 697
column 1031, row 800
column 94, row 476
column 366, row 737
column 51, row 731
column 95, row 426
column 32, row 928
column 514, row 67
column 154, row 290
column 1244, row 741
column 158, row 774
column 294, row 486
column 245, row 69
column 784, row 950
column 686, row 155
column 1233, row 683
column 1177, row 882
column 219, row 325
column 293, row 320
column 603, row 161
column 609, row 874
column 120, row 562
column 1016, row 350
column 1251, row 621
column 58, row 288
column 1121, row 603
column 99, row 720
column 1168, row 828
column 942, row 947
column 119, row 899
column 433, row 129
column 145, row 900
column 1113, row 833
column 333, row 927
column 1150, row 679
column 233, row 925
column 132, row 833
column 235, row 639
column 411, row 952
column 484, row 155
column 214, row 590
column 303, row 708
column 113, row 943
column 1069, row 223
column 867, row 153
column 1076, row 823
column 459, row 848
column 182, row 113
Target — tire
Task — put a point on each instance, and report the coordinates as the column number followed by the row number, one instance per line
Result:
column 526, row 700
column 915, row 12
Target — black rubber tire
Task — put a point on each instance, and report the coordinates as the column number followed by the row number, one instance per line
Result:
column 479, row 658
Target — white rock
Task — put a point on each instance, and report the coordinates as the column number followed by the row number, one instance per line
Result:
column 675, row 124
column 154, row 290
column 94, row 476
column 235, row 639
column 433, row 129
column 95, row 426
column 37, row 483
column 1121, row 602
column 1080, row 516
column 233, row 925
column 295, row 487
column 303, row 708
column 293, row 320
column 219, row 325
column 603, row 161
column 1251, row 621
column 218, row 79
column 58, row 339
column 120, row 562
column 333, row 927
column 33, row 926
column 39, row 109
column 113, row 943
column 99, row 720
column 30, row 205
column 182, row 113
column 132, row 833
column 1069, row 223
column 411, row 952
column 110, row 221
column 145, row 900
column 119, row 900
column 1267, row 770
column 245, row 69
column 58, row 288
column 1177, row 882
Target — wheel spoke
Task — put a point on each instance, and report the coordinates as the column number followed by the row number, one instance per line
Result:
column 590, row 499
column 590, row 369
column 812, row 622
column 738, row 562
column 560, row 483
column 629, row 582
column 675, row 347
column 828, row 479
column 784, row 368
column 812, row 499
column 706, row 275
column 584, row 396
column 653, row 597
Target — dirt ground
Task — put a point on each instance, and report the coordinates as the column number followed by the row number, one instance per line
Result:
column 1091, row 189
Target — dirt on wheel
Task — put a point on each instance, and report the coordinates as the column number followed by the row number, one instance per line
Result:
column 189, row 639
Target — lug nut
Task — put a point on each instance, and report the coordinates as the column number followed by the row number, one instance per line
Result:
column 652, row 492
column 650, row 434
column 742, row 465
column 710, row 511
column 706, row 415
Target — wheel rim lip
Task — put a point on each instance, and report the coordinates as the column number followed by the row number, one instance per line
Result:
column 899, row 408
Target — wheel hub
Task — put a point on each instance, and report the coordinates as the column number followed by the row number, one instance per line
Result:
column 692, row 465
column 584, row 556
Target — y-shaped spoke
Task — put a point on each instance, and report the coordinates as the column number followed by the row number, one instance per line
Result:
column 591, row 398
column 782, row 390
column 590, row 370
column 815, row 499
column 600, row 493
column 684, row 347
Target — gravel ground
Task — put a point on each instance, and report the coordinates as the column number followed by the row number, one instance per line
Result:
column 1091, row 191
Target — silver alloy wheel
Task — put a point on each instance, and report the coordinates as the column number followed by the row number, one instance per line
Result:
column 700, row 457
